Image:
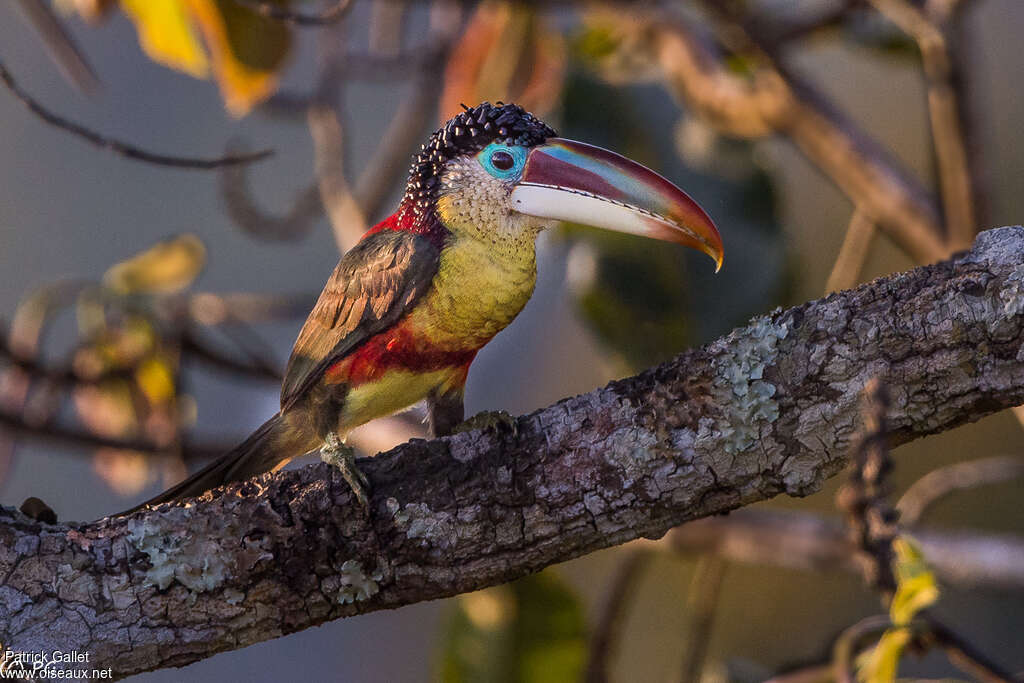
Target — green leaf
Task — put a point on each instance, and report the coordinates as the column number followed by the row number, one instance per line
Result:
column 531, row 630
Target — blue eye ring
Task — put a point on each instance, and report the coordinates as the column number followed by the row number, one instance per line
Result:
column 502, row 161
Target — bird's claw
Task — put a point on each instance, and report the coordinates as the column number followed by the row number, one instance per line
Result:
column 489, row 420
column 337, row 454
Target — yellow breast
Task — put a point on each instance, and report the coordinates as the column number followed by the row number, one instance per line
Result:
column 479, row 289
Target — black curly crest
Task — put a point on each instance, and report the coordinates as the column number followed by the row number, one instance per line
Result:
column 467, row 133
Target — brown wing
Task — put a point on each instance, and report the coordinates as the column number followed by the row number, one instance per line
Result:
column 373, row 285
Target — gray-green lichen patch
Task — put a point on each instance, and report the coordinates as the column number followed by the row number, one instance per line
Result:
column 176, row 554
column 748, row 400
column 631, row 452
column 1012, row 294
column 354, row 584
column 417, row 520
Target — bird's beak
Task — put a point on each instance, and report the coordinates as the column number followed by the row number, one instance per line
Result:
column 572, row 181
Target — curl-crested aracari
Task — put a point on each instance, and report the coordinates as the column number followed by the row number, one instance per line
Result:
column 408, row 308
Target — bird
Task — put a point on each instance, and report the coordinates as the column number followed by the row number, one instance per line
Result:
column 407, row 308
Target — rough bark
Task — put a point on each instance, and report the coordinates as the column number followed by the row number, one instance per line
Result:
column 768, row 409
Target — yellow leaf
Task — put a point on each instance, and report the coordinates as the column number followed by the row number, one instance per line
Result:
column 156, row 380
column 166, row 34
column 916, row 586
column 166, row 267
column 247, row 50
column 879, row 665
column 506, row 53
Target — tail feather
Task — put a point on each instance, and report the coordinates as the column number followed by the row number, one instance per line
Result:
column 264, row 450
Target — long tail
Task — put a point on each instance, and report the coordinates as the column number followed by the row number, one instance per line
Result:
column 264, row 450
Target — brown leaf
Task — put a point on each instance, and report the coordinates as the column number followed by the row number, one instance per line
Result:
column 507, row 53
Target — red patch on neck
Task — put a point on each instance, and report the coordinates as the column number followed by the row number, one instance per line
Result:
column 427, row 225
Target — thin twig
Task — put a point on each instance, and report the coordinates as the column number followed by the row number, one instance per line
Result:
column 775, row 101
column 607, row 630
column 797, row 30
column 947, row 131
column 122, row 148
column 871, row 521
column 294, row 224
column 59, row 45
column 964, row 655
column 348, row 223
column 939, row 483
column 812, row 543
column 853, row 254
column 62, row 436
column 813, row 673
column 193, row 346
column 848, row 644
column 701, row 605
column 873, row 528
column 391, row 158
column 62, row 376
column 331, row 15
column 207, row 308
column 31, row 317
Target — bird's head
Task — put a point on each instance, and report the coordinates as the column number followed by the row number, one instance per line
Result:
column 497, row 169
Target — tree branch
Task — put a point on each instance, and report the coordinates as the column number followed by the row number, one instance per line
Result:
column 807, row 542
column 769, row 409
column 122, row 148
column 776, row 100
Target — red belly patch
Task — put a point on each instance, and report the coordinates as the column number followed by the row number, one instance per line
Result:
column 396, row 349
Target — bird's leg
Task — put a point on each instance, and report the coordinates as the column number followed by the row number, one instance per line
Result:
column 336, row 453
column 444, row 412
column 493, row 420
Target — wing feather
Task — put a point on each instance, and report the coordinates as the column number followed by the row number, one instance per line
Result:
column 372, row 287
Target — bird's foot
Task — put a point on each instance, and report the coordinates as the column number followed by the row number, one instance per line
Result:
column 489, row 420
column 336, row 453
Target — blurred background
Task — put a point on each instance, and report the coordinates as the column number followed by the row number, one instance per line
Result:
column 149, row 308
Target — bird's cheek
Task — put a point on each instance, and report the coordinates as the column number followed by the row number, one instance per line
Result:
column 446, row 209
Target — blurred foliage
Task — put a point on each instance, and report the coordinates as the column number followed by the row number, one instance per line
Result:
column 615, row 44
column 132, row 361
column 867, row 28
column 916, row 589
column 507, row 53
column 167, row 267
column 530, row 630
column 244, row 50
column 643, row 299
column 135, row 395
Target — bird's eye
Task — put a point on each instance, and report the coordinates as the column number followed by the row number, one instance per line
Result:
column 502, row 160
